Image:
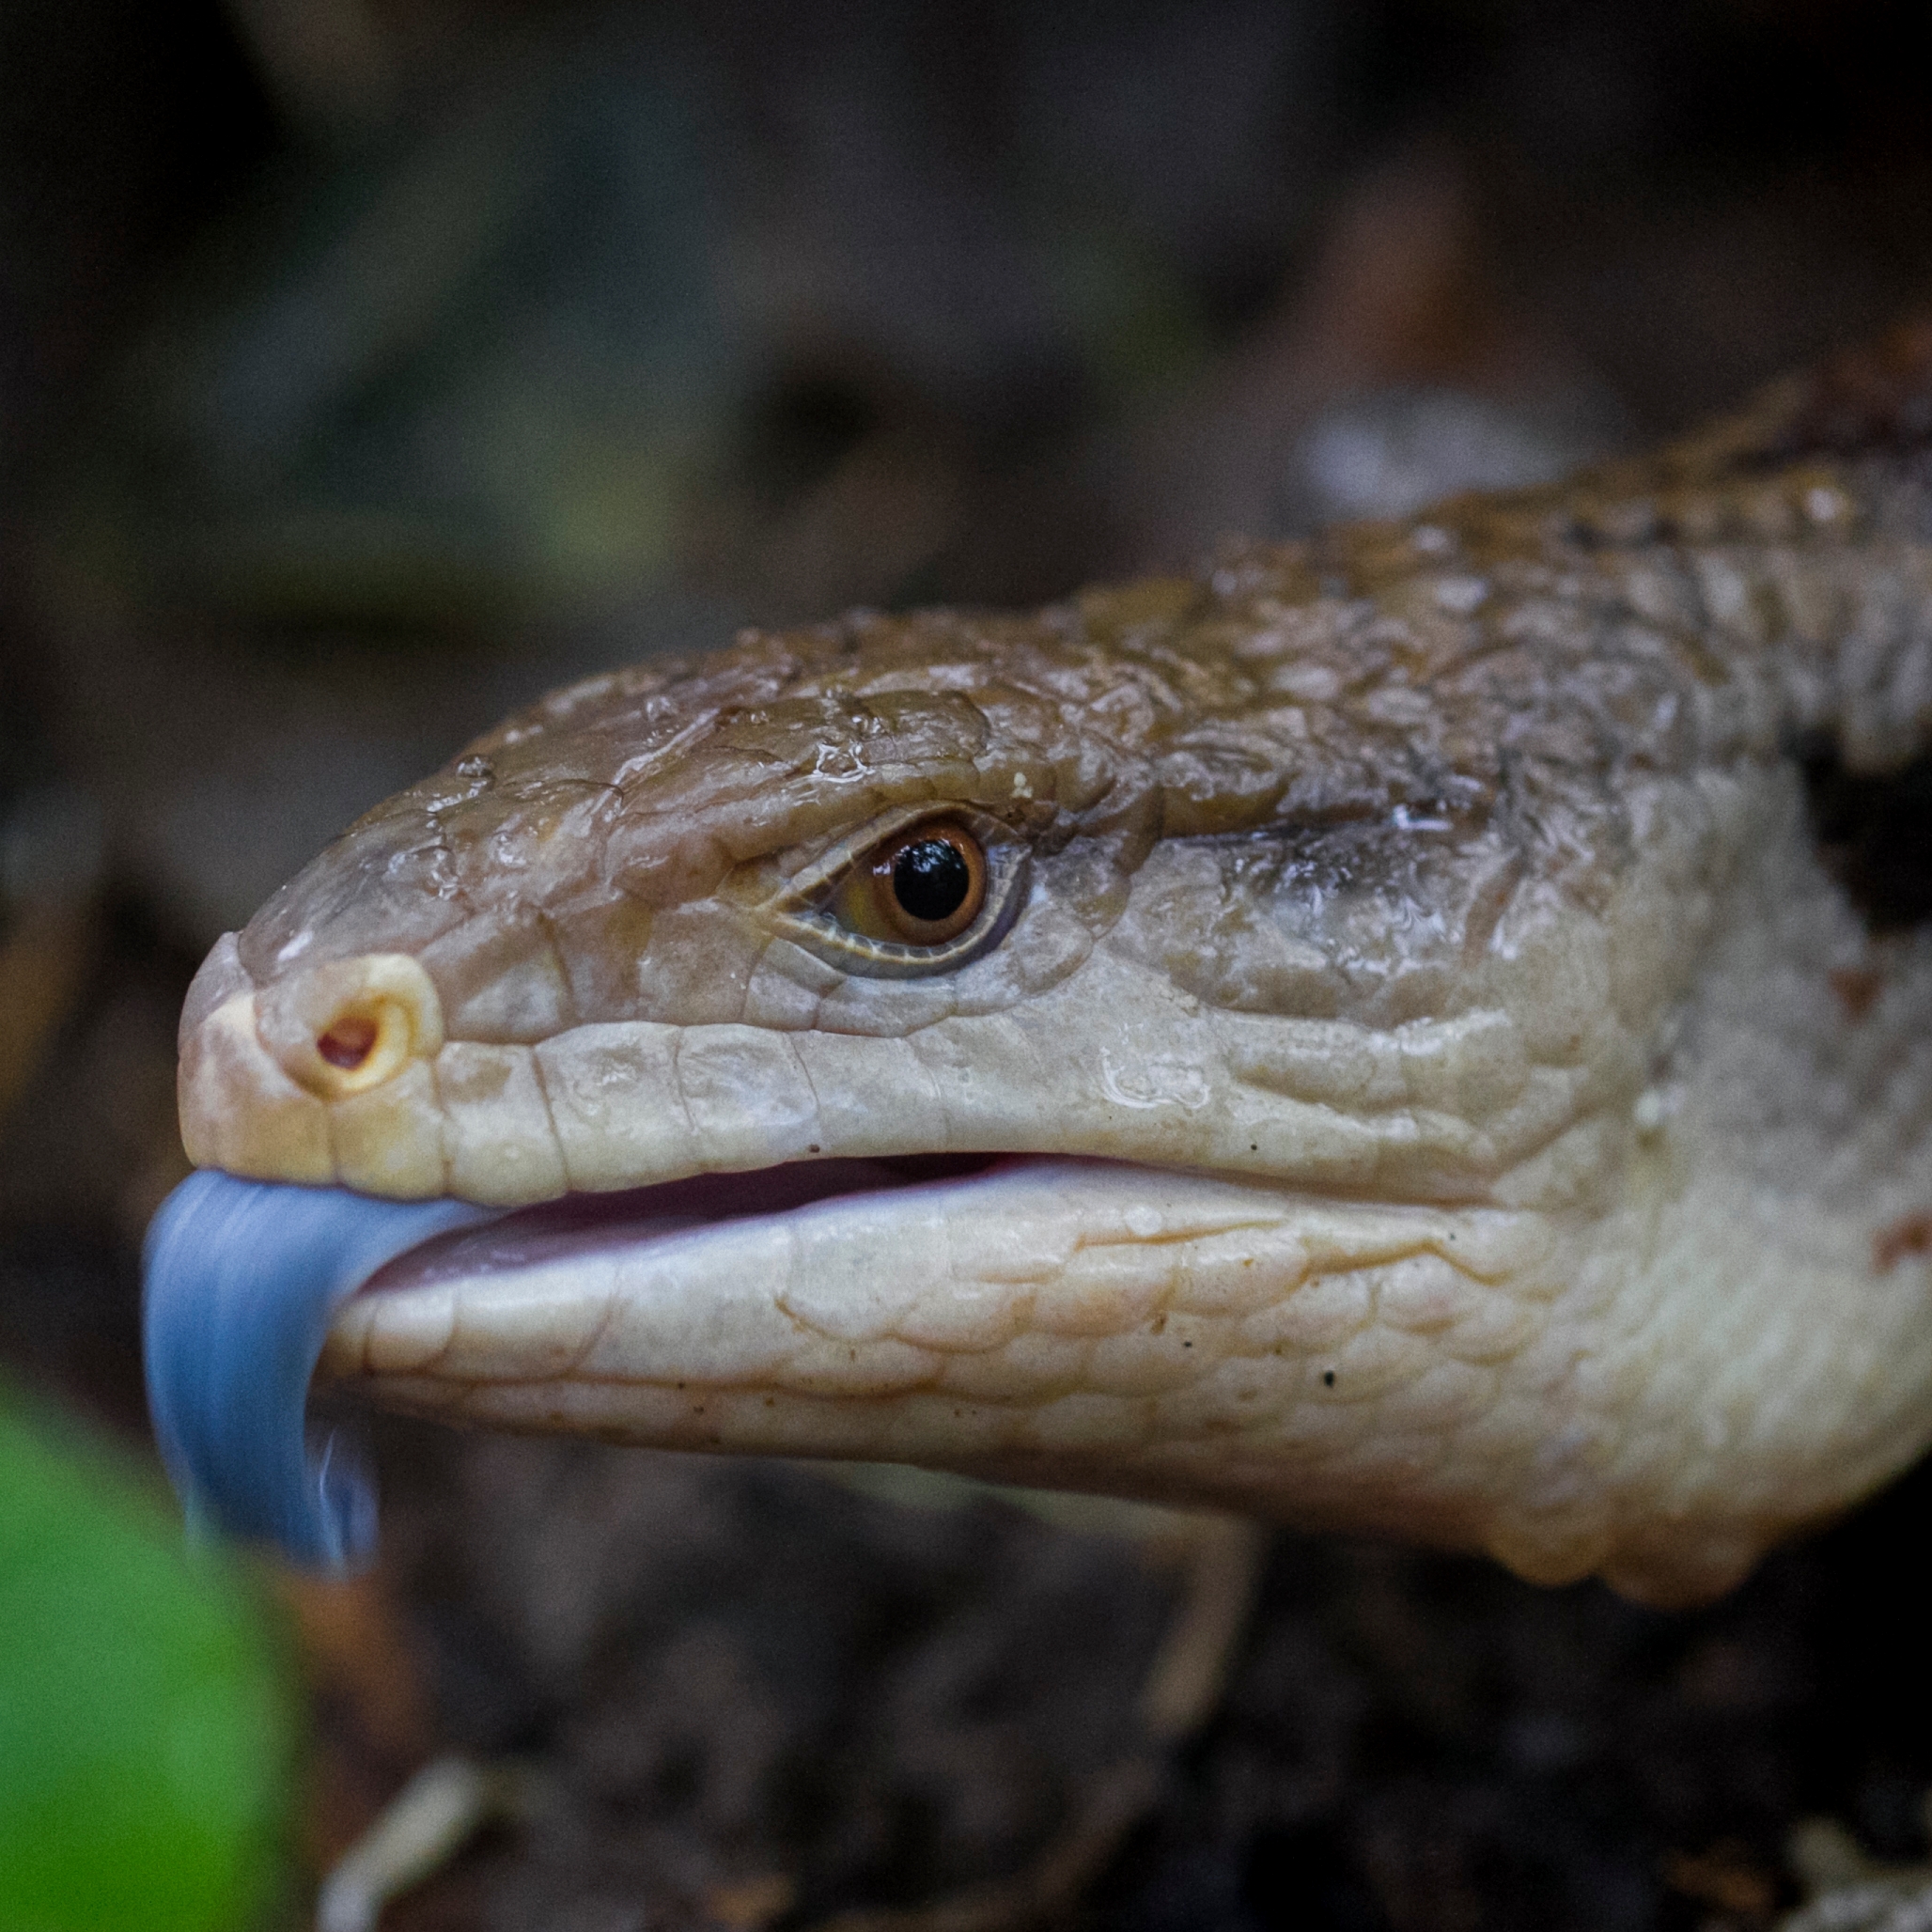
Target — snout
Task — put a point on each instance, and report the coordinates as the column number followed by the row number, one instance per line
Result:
column 322, row 1078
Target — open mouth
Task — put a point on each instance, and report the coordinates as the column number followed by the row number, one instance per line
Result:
column 1039, row 1318
column 246, row 1278
column 1068, row 1321
column 584, row 1229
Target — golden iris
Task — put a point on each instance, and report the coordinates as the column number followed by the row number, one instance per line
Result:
column 922, row 888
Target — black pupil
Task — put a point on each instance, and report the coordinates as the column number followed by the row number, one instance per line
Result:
column 930, row 879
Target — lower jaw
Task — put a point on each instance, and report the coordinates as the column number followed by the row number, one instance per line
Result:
column 1067, row 1323
column 1072, row 1323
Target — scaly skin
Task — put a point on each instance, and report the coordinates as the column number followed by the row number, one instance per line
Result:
column 1424, row 981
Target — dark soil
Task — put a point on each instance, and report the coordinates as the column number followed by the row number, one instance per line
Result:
column 724, row 1674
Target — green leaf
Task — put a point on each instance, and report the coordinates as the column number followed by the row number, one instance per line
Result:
column 145, row 1714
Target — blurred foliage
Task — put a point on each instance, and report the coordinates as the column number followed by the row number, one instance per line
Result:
column 468, row 362
column 145, row 1719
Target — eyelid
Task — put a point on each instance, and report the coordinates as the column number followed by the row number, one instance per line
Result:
column 802, row 911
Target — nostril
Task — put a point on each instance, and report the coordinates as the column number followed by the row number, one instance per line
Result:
column 368, row 1037
column 348, row 1026
column 349, row 1042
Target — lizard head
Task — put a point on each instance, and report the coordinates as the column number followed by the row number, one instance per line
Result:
column 925, row 887
column 1283, row 1042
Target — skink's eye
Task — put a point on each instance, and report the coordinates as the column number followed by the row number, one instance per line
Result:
column 922, row 888
column 913, row 898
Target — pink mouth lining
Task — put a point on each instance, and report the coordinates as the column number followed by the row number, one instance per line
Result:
column 592, row 1223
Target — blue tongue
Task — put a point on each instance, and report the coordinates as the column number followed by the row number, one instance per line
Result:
column 242, row 1278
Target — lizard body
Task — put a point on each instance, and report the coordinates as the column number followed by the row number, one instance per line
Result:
column 1413, row 1067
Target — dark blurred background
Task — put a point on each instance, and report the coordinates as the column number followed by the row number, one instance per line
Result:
column 368, row 365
